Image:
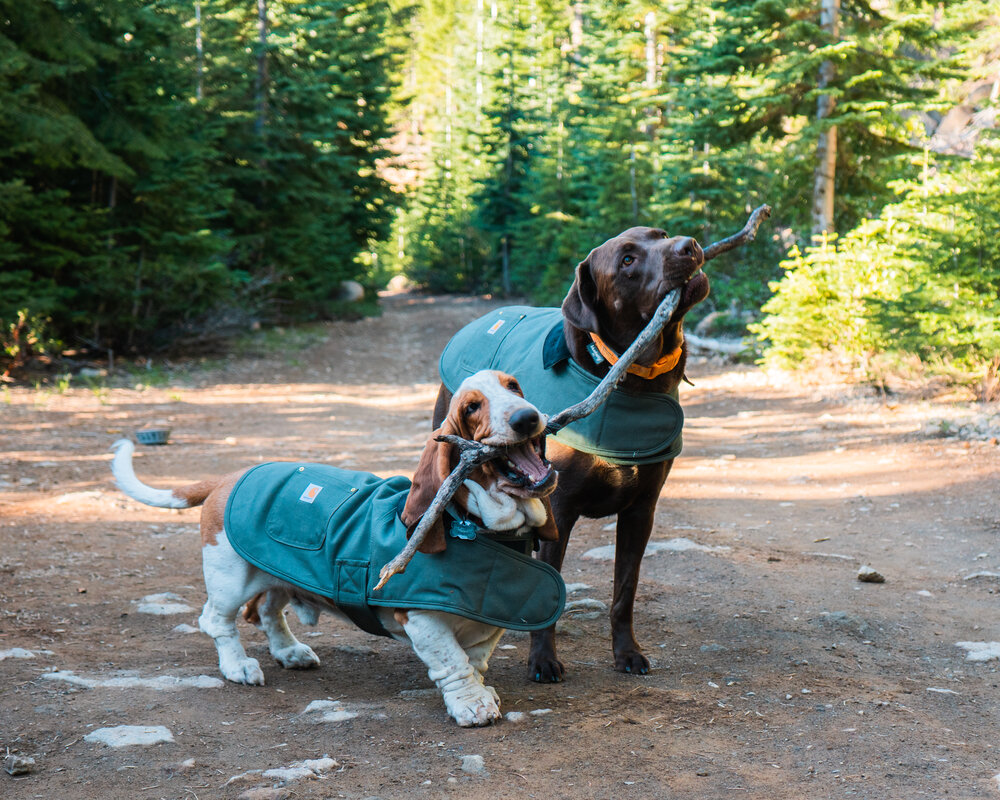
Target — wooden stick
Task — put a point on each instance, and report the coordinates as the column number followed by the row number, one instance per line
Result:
column 474, row 454
column 748, row 234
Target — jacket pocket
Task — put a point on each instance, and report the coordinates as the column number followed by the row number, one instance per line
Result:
column 304, row 506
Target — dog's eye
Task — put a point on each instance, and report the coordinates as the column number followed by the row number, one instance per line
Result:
column 513, row 386
column 628, row 261
column 471, row 409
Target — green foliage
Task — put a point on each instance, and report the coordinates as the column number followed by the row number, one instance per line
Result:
column 23, row 338
column 151, row 194
column 167, row 178
column 923, row 279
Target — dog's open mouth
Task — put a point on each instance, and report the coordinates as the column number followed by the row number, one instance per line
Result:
column 525, row 469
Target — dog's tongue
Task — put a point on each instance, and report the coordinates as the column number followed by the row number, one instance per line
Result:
column 528, row 462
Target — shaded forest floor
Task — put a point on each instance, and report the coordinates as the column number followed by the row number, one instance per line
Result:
column 776, row 673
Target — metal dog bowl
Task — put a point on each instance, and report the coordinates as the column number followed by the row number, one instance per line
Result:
column 153, row 435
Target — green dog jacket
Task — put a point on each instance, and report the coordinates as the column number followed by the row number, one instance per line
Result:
column 330, row 531
column 528, row 343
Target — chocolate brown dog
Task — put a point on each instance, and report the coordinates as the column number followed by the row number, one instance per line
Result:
column 617, row 289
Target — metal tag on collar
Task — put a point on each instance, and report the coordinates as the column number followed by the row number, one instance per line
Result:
column 595, row 354
column 463, row 529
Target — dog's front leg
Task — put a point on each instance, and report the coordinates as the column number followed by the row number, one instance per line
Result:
column 544, row 665
column 479, row 644
column 635, row 524
column 433, row 639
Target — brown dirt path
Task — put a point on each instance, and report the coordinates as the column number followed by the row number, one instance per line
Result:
column 777, row 674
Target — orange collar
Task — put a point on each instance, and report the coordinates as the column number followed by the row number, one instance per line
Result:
column 657, row 368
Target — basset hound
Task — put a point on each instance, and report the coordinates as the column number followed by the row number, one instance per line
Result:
column 509, row 497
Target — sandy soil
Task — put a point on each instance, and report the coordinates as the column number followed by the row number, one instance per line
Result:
column 776, row 673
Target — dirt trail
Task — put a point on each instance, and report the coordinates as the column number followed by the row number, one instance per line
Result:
column 776, row 673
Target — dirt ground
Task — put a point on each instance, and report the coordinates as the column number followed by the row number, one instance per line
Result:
column 776, row 672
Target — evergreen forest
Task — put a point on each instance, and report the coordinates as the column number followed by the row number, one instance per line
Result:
column 175, row 171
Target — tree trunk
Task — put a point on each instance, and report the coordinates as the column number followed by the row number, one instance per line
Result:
column 650, row 31
column 199, row 51
column 649, row 126
column 262, row 77
column 505, row 265
column 480, row 60
column 826, row 147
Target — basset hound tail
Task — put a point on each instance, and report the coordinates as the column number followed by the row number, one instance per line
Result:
column 184, row 497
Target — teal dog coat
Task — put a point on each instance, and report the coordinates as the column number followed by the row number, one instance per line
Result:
column 330, row 531
column 528, row 343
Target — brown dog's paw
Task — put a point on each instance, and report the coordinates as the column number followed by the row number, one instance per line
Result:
column 546, row 670
column 632, row 662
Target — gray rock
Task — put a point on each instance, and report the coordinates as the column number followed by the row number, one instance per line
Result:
column 474, row 764
column 18, row 765
column 868, row 575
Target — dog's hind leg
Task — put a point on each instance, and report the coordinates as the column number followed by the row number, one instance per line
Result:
column 286, row 649
column 229, row 583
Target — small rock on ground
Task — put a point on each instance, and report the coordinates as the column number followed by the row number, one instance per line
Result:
column 473, row 764
column 129, row 735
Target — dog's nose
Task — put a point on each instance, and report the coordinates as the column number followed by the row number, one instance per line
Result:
column 686, row 247
column 525, row 422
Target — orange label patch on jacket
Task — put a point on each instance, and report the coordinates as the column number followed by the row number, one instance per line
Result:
column 311, row 492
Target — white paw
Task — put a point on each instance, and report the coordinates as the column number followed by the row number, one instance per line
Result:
column 479, row 677
column 297, row 656
column 245, row 670
column 474, row 710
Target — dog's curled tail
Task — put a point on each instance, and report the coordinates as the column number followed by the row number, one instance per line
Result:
column 184, row 497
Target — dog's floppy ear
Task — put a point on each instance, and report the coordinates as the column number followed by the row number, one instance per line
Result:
column 434, row 467
column 580, row 306
column 547, row 531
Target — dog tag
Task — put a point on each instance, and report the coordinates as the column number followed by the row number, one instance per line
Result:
column 463, row 529
column 595, row 354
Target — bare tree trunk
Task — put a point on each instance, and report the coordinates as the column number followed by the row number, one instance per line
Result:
column 505, row 265
column 826, row 147
column 652, row 75
column 632, row 185
column 199, row 51
column 574, row 80
column 650, row 29
column 480, row 59
column 262, row 77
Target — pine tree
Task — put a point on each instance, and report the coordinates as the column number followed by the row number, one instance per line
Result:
column 448, row 77
column 306, row 111
column 512, row 132
column 110, row 190
column 923, row 279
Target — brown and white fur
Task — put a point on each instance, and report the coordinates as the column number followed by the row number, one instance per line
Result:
column 488, row 407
